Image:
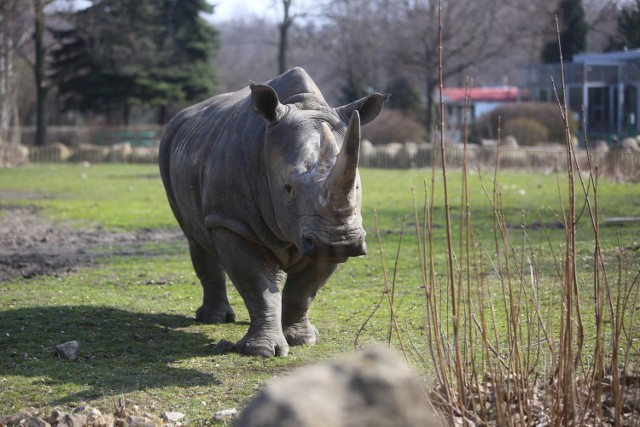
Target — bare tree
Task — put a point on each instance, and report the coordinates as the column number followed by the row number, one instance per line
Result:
column 248, row 48
column 383, row 40
column 13, row 34
column 39, row 70
column 475, row 33
column 357, row 41
column 601, row 17
column 284, row 26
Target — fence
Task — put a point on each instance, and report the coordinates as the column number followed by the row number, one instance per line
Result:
column 616, row 163
column 74, row 136
column 622, row 164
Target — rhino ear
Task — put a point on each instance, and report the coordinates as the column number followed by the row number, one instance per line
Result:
column 369, row 107
column 265, row 103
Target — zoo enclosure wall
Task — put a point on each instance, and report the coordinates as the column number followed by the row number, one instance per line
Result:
column 616, row 163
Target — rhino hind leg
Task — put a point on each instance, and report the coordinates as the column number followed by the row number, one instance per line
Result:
column 215, row 306
column 299, row 292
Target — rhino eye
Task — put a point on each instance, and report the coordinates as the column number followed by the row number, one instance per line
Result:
column 288, row 190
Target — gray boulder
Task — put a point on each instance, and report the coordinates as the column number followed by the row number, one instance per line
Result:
column 374, row 388
column 68, row 350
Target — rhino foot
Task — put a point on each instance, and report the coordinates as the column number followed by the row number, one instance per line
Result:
column 299, row 334
column 262, row 345
column 210, row 316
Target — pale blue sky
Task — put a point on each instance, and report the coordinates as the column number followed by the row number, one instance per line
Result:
column 224, row 9
column 227, row 9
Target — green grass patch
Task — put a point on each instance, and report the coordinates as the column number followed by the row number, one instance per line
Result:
column 123, row 196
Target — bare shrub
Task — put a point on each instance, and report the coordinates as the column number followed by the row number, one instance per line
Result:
column 547, row 114
column 526, row 131
column 393, row 126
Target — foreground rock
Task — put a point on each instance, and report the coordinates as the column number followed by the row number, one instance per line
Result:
column 374, row 388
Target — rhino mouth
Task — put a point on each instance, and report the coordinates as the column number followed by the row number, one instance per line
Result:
column 337, row 252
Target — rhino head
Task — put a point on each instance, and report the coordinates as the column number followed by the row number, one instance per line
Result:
column 311, row 164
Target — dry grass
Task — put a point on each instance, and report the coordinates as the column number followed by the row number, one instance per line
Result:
column 509, row 345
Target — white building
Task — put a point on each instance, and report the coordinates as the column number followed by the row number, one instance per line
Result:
column 605, row 86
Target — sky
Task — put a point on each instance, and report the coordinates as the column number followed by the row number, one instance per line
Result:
column 228, row 9
column 225, row 9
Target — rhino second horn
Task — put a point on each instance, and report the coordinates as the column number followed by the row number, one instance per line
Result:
column 341, row 180
column 328, row 149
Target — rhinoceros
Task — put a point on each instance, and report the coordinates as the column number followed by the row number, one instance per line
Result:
column 265, row 186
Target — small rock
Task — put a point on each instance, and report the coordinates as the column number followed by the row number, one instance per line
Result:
column 94, row 418
column 68, row 350
column 144, row 421
column 172, row 417
column 23, row 419
column 62, row 419
column 226, row 414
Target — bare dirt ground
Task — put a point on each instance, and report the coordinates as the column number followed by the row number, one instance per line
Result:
column 31, row 245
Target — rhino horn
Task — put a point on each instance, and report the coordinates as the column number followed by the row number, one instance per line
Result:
column 328, row 148
column 341, row 180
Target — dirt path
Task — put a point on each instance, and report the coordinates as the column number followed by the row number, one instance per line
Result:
column 31, row 245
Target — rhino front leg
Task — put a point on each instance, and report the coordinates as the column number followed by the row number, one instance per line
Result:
column 257, row 276
column 215, row 306
column 299, row 291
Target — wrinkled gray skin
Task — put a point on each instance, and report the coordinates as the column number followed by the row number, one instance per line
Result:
column 262, row 190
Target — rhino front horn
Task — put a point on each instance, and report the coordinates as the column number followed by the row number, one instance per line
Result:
column 341, row 180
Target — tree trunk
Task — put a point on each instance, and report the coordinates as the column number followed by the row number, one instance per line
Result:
column 39, row 73
column 284, row 34
column 162, row 115
column 126, row 112
column 429, row 108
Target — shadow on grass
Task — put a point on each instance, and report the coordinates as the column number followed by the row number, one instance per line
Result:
column 120, row 351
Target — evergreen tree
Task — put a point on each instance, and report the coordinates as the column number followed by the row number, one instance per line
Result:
column 628, row 29
column 118, row 53
column 404, row 97
column 573, row 33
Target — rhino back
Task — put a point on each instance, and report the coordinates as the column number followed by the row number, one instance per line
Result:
column 205, row 155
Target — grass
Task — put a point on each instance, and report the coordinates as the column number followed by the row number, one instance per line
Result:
column 134, row 316
column 123, row 196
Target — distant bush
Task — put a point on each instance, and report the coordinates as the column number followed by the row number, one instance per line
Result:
column 526, row 131
column 393, row 126
column 545, row 113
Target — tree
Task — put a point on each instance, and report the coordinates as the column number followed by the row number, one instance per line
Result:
column 470, row 38
column 628, row 36
column 14, row 33
column 573, row 33
column 601, row 17
column 117, row 54
column 248, row 51
column 404, row 97
column 352, row 45
column 39, row 68
column 287, row 21
column 188, row 44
